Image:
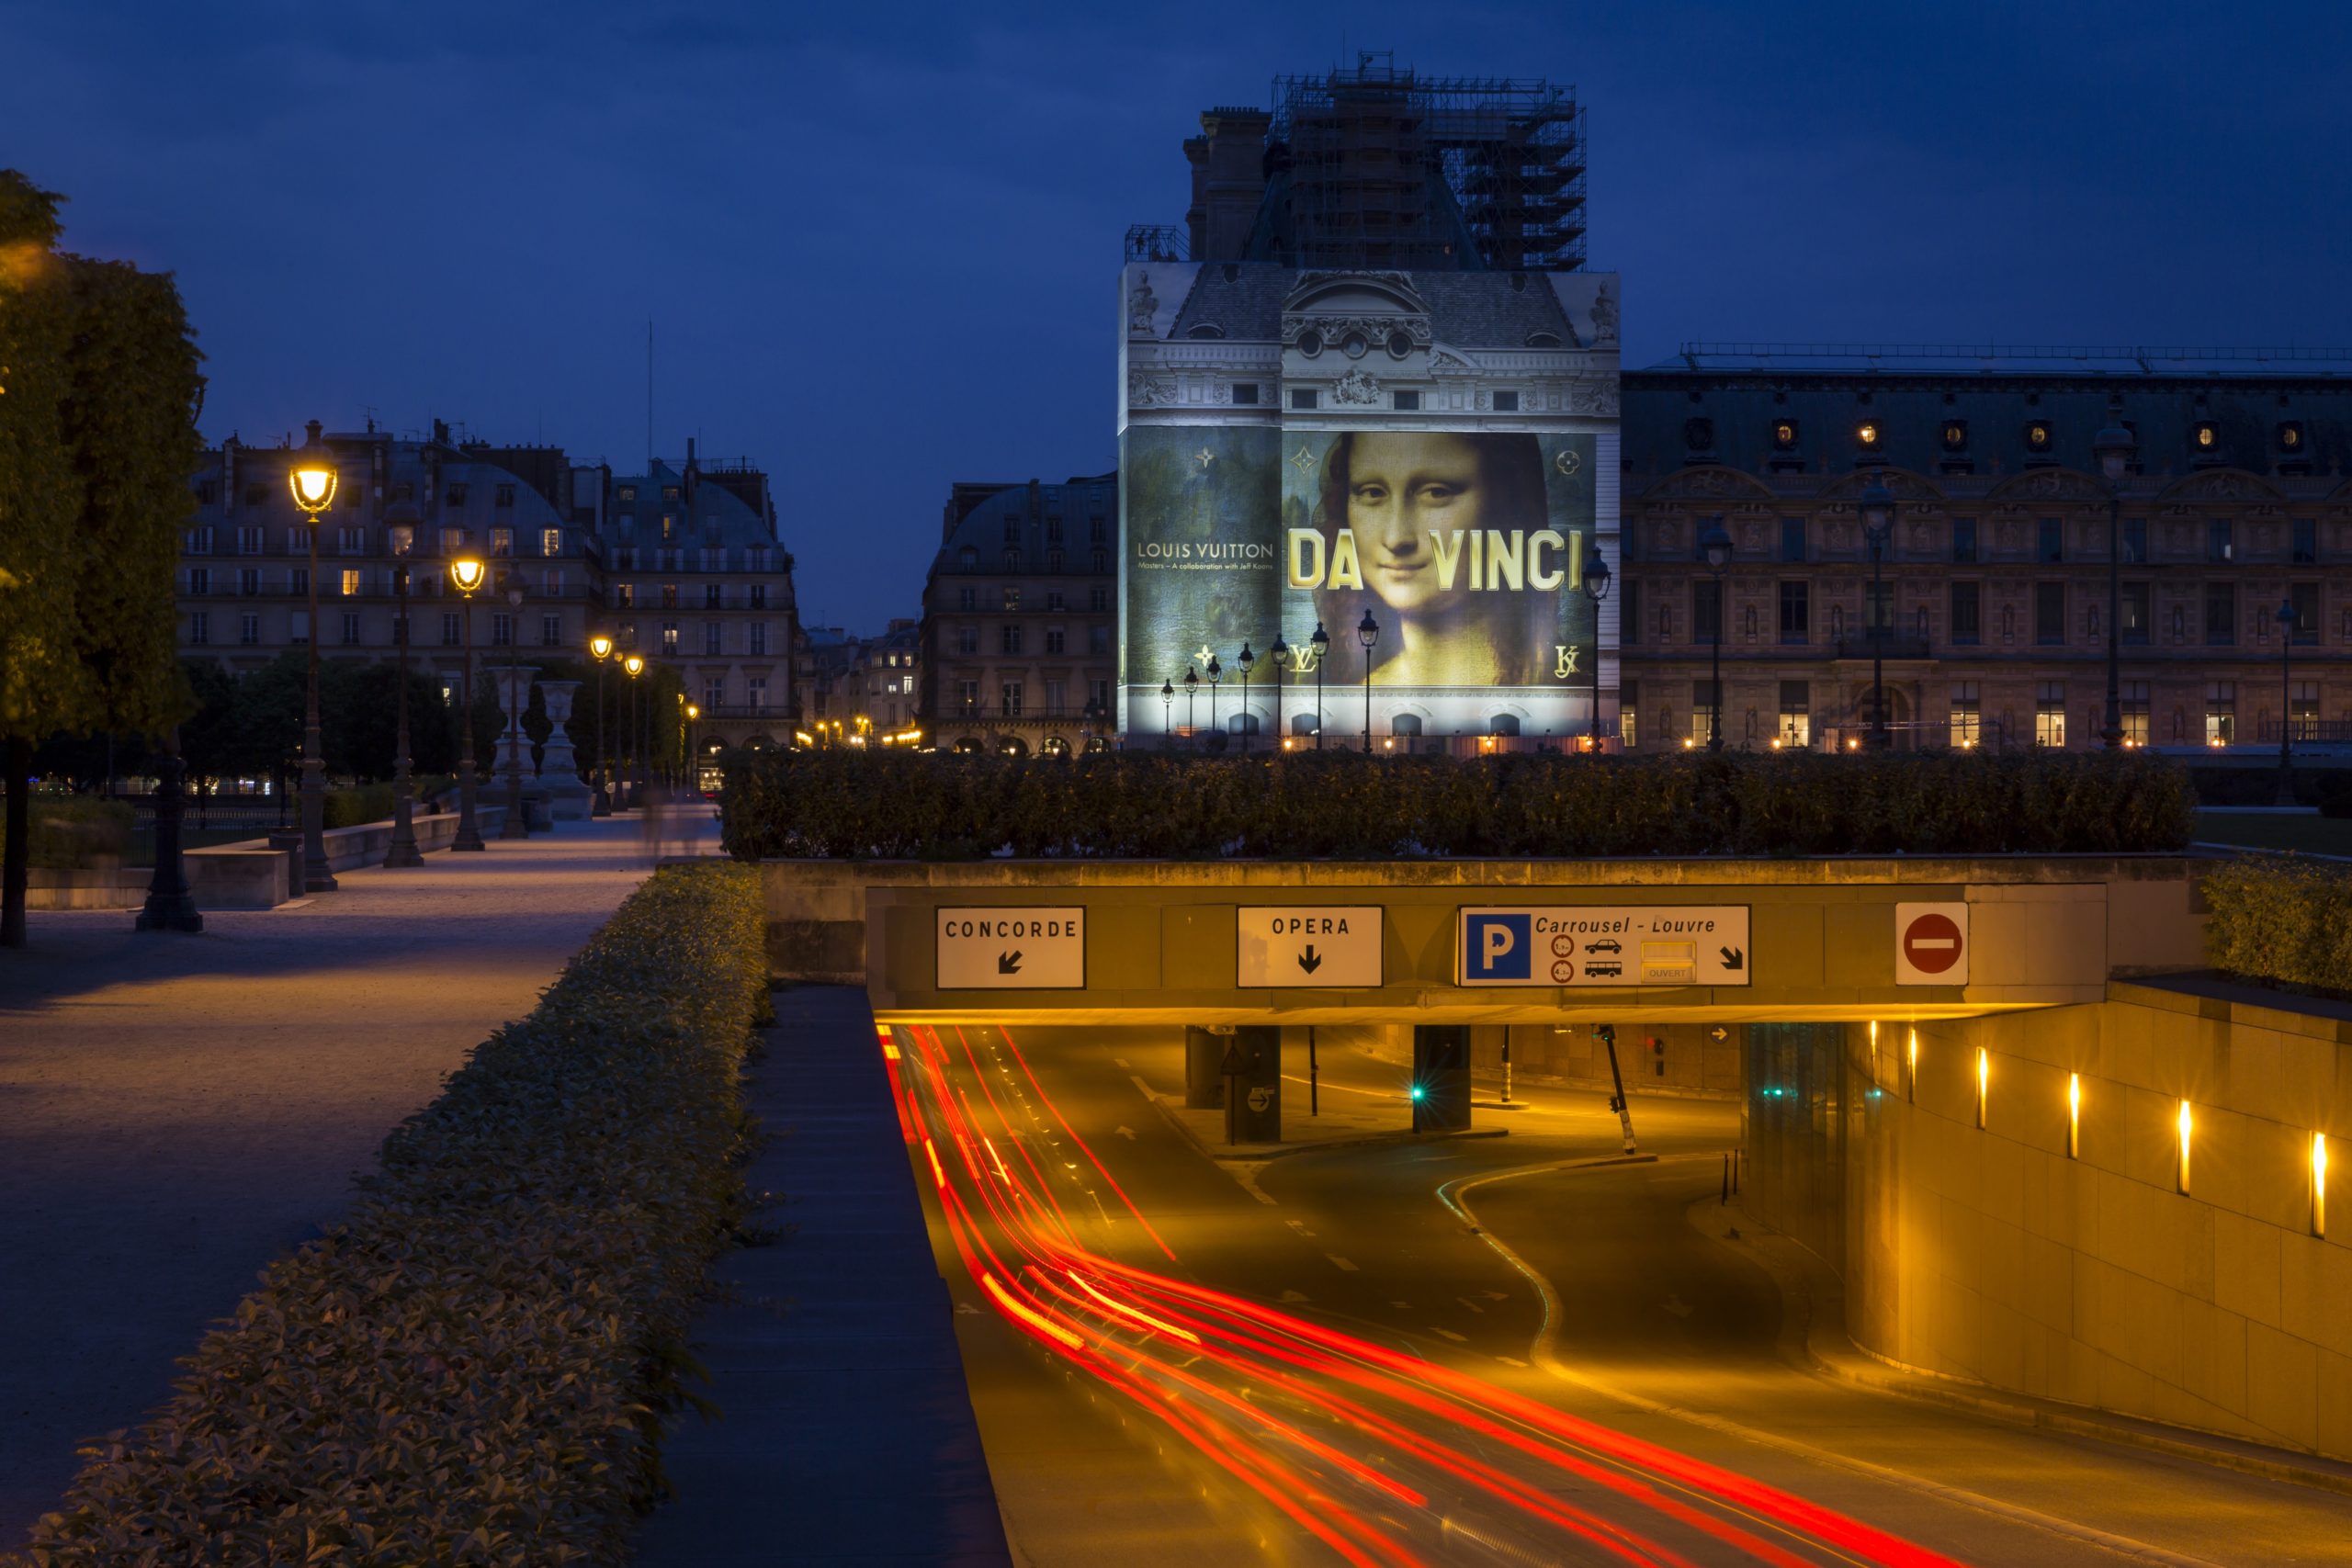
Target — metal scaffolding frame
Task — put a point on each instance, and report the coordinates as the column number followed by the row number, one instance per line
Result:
column 1391, row 168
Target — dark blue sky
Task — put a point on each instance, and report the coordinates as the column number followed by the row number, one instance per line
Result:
column 880, row 241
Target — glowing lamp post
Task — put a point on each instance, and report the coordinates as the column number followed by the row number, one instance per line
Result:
column 634, row 792
column 1877, row 508
column 1716, row 545
column 1596, row 587
column 2114, row 446
column 1216, row 675
column 1279, row 654
column 1321, row 643
column 1192, row 690
column 1367, row 633
column 693, row 759
column 312, row 481
column 601, row 647
column 466, row 572
column 1167, row 714
column 1248, row 658
column 400, row 525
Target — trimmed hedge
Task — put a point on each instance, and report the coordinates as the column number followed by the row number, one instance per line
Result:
column 860, row 805
column 72, row 831
column 471, row 1368
column 2283, row 922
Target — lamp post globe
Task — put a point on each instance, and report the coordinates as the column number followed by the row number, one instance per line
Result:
column 1876, row 506
column 1247, row 719
column 2114, row 446
column 600, row 647
column 312, row 480
column 466, row 574
column 1166, row 713
column 1596, row 587
column 1367, row 633
column 1192, row 690
column 401, row 520
column 1321, row 643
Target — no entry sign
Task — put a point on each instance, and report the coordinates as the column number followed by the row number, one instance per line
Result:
column 1931, row 944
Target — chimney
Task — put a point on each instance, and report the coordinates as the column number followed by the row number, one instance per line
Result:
column 1229, row 180
column 312, row 429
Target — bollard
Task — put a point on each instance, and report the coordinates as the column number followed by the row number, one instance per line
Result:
column 1506, row 1063
column 1726, row 1197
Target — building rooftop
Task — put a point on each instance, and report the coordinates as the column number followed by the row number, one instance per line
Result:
column 2029, row 359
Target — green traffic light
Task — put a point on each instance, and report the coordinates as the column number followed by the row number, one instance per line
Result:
column 1416, row 1091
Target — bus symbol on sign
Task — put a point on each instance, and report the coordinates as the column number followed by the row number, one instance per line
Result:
column 1931, row 944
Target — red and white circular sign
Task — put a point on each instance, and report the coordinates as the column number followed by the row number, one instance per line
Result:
column 1932, row 942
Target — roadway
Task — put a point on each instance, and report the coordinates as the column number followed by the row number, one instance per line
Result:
column 1507, row 1350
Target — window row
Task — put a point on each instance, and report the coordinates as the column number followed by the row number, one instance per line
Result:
column 1008, row 597
column 668, row 596
column 1013, row 637
column 505, row 630
column 1011, row 700
column 1965, row 544
column 2220, row 626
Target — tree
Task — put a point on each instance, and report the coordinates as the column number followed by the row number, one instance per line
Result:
column 98, row 393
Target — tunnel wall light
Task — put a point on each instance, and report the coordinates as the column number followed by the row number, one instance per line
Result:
column 2319, row 1184
column 2074, row 1115
column 2181, row 1169
column 1984, row 1081
column 1911, row 1069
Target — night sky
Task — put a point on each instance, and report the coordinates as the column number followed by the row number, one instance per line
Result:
column 880, row 243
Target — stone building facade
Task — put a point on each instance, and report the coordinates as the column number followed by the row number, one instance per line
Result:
column 1018, row 612
column 681, row 564
column 1990, row 617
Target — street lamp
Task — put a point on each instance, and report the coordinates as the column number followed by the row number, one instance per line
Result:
column 1248, row 658
column 1166, row 713
column 1596, row 587
column 1716, row 545
column 466, row 572
column 1279, row 654
column 1877, row 508
column 634, row 792
column 1367, row 633
column 1217, row 674
column 312, row 480
column 513, row 827
column 601, row 647
column 693, row 762
column 1192, row 690
column 2114, row 446
column 399, row 527
column 1321, row 643
column 2286, row 703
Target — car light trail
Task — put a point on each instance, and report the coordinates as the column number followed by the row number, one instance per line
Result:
column 1386, row 1459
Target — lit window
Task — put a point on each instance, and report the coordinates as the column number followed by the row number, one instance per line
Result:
column 351, row 582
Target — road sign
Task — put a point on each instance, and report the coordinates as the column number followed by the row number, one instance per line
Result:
column 1583, row 946
column 1293, row 946
column 1931, row 944
column 1014, row 947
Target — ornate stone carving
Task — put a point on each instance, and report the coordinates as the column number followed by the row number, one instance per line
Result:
column 1375, row 329
column 2055, row 484
column 2221, row 484
column 1142, row 305
column 1604, row 318
column 1445, row 364
column 1146, row 391
column 1594, row 395
column 1359, row 386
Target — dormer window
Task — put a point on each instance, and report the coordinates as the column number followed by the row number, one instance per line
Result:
column 1205, row 329
column 1543, row 340
column 2037, row 436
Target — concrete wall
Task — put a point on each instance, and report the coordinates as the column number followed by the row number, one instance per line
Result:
column 1990, row 1254
column 1162, row 936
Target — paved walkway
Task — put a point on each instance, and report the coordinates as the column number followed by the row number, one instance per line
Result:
column 846, row 1435
column 174, row 1110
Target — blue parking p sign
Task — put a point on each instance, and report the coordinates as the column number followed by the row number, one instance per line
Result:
column 1497, row 947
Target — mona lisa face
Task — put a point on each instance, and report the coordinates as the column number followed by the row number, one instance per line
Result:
column 1401, row 487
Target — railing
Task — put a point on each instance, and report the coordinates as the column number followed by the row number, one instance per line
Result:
column 977, row 712
column 1887, row 644
column 2306, row 729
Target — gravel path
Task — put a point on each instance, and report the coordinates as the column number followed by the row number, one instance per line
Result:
column 174, row 1110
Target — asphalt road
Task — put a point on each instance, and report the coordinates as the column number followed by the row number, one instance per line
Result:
column 1479, row 1350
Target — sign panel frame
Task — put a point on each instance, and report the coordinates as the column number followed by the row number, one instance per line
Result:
column 1935, row 942
column 972, row 945
column 1602, row 946
column 1276, row 951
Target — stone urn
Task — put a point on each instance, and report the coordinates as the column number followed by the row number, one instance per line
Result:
column 568, row 796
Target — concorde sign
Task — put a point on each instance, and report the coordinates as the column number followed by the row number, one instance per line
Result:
column 1013, row 947
column 1301, row 946
column 1599, row 945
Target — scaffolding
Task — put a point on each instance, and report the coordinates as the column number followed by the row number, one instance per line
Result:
column 1387, row 168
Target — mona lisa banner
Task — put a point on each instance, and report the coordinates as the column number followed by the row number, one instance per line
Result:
column 1458, row 557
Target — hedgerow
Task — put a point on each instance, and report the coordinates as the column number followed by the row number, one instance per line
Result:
column 2280, row 920
column 471, row 1368
column 850, row 804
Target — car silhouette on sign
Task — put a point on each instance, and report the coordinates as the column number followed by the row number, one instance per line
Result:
column 1603, row 945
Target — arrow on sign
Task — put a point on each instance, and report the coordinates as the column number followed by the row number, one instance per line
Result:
column 1309, row 960
column 1009, row 963
column 1732, row 956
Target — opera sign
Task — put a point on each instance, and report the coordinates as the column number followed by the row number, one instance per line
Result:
column 1321, row 947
